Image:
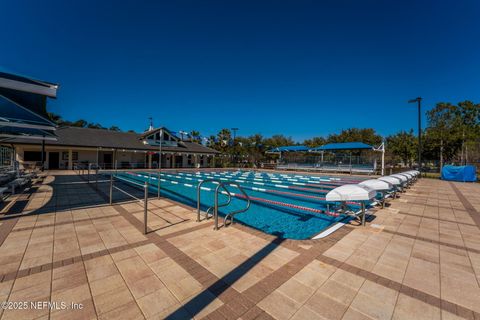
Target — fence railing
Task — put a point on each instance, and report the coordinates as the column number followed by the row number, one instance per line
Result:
column 89, row 172
column 125, row 165
column 144, row 201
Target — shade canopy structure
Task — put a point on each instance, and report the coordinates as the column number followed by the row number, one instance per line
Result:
column 23, row 107
column 351, row 192
column 288, row 149
column 342, row 146
column 378, row 185
column 393, row 181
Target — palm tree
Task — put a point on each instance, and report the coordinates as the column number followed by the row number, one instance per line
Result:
column 195, row 135
column 55, row 117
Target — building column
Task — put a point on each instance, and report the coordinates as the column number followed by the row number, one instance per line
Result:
column 70, row 159
column 196, row 160
column 184, row 160
column 173, row 159
column 149, row 161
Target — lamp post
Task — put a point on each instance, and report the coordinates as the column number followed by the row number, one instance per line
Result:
column 418, row 100
column 234, row 151
column 160, row 161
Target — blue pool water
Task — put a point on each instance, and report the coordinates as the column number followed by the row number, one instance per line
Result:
column 288, row 206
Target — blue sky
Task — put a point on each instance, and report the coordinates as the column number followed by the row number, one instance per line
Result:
column 301, row 68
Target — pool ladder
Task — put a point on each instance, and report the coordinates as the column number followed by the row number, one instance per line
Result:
column 213, row 211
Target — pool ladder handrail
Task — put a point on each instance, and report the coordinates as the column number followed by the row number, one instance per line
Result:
column 233, row 213
column 216, row 205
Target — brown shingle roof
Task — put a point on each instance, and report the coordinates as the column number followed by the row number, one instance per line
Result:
column 86, row 137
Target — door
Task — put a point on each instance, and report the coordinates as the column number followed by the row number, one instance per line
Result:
column 53, row 160
column 107, row 160
column 178, row 161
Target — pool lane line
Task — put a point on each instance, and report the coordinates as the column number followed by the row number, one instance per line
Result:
column 298, row 195
column 255, row 189
column 273, row 202
column 293, row 194
column 277, row 180
column 278, row 185
column 307, row 182
column 332, row 180
column 311, row 190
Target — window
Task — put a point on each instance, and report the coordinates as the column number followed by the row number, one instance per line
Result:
column 74, row 155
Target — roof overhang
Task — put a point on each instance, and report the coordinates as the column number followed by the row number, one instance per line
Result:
column 343, row 146
column 28, row 85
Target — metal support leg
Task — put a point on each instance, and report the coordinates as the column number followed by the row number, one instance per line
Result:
column 198, row 204
column 363, row 214
column 215, row 210
column 111, row 188
column 145, row 208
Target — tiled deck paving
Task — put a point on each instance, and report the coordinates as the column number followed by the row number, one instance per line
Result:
column 61, row 241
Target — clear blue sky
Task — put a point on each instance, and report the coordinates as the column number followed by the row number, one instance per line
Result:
column 301, row 68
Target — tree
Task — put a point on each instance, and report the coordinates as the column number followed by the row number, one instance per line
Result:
column 278, row 140
column 55, row 117
column 314, row 142
column 92, row 125
column 365, row 135
column 114, row 128
column 195, row 136
column 468, row 119
column 441, row 135
column 79, row 123
column 403, row 146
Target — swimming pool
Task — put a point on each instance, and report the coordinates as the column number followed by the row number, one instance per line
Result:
column 286, row 205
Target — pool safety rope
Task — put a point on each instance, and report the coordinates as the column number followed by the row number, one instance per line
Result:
column 307, row 181
column 315, row 189
column 315, row 179
column 298, row 195
column 325, row 184
column 243, row 186
column 257, row 199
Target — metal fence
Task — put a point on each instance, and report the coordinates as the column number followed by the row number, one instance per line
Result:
column 143, row 201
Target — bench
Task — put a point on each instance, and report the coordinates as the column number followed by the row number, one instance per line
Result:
column 19, row 182
column 2, row 190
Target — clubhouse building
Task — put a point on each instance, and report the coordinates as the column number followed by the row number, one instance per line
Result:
column 30, row 139
column 111, row 150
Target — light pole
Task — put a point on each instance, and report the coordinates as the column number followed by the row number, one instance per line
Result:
column 234, row 150
column 160, row 161
column 418, row 100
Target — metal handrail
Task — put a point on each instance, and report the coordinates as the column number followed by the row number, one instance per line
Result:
column 145, row 198
column 231, row 214
column 199, row 187
column 216, row 205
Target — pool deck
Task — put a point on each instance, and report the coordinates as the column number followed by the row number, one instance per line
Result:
column 61, row 241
